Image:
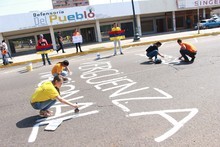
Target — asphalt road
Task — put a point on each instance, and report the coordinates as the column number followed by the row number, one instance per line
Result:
column 124, row 101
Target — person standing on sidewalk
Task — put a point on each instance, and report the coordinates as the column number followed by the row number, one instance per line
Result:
column 46, row 96
column 152, row 51
column 60, row 42
column 117, row 39
column 5, row 46
column 4, row 57
column 43, row 42
column 77, row 40
column 187, row 49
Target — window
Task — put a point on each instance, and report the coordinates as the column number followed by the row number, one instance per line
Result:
column 169, row 23
column 180, row 21
column 104, row 31
column 147, row 26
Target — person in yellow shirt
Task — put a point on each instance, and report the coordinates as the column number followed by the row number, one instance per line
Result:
column 117, row 41
column 61, row 68
column 46, row 95
column 187, row 49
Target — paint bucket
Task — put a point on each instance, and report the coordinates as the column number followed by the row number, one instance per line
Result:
column 29, row 67
column 97, row 56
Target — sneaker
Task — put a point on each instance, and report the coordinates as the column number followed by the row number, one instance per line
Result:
column 121, row 53
column 65, row 79
column 192, row 60
column 114, row 54
column 44, row 114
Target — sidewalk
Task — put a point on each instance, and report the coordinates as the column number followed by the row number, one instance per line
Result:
column 99, row 47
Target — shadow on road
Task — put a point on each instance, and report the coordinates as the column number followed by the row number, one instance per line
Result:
column 147, row 63
column 180, row 63
column 106, row 57
column 28, row 122
column 25, row 70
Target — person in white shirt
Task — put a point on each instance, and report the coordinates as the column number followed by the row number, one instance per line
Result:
column 5, row 46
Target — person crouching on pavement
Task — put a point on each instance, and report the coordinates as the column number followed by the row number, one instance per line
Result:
column 61, row 68
column 46, row 96
column 152, row 51
column 187, row 49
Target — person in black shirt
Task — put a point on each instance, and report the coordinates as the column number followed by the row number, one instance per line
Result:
column 152, row 51
column 60, row 42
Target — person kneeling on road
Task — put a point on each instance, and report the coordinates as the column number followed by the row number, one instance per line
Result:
column 187, row 49
column 61, row 68
column 46, row 95
column 152, row 51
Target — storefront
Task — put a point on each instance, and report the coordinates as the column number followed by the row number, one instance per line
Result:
column 21, row 31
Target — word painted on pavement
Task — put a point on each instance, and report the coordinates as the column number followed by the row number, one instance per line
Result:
column 104, row 78
column 53, row 122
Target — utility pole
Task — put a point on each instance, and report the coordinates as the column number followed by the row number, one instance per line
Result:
column 198, row 17
column 136, row 34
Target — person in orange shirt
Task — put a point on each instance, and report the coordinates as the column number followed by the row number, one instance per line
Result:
column 187, row 49
column 61, row 68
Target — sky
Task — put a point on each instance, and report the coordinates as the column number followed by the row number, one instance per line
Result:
column 8, row 7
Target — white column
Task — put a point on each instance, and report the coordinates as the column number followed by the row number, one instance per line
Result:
column 1, row 38
column 154, row 25
column 98, row 31
column 53, row 38
column 35, row 38
column 139, row 24
column 174, row 21
column 203, row 14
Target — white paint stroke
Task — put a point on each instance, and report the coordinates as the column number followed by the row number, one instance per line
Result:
column 126, row 109
column 71, row 99
column 35, row 129
column 112, row 81
column 89, row 81
column 53, row 125
column 84, row 105
column 176, row 125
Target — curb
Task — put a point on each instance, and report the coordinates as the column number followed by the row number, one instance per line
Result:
column 109, row 48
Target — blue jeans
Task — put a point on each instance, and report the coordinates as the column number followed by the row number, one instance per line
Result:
column 63, row 73
column 45, row 105
column 153, row 54
column 43, row 59
column 5, row 59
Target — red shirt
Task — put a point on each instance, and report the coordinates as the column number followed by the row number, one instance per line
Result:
column 42, row 42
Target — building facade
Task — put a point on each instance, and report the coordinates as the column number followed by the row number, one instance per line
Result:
column 94, row 22
column 69, row 3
